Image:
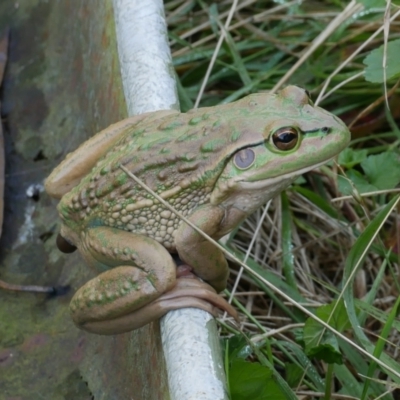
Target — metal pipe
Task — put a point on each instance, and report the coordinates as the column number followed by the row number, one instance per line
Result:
column 189, row 336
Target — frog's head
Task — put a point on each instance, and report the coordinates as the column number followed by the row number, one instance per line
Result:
column 284, row 136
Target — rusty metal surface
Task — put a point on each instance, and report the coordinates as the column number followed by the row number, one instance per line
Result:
column 61, row 85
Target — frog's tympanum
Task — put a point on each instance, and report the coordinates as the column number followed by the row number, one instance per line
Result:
column 215, row 165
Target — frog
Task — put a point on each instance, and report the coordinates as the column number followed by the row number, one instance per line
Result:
column 215, row 165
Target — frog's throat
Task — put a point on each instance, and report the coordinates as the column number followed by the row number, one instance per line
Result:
column 249, row 195
column 265, row 183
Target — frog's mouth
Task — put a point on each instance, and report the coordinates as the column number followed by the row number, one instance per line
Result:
column 278, row 181
column 247, row 195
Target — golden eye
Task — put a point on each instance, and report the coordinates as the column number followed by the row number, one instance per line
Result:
column 244, row 158
column 285, row 138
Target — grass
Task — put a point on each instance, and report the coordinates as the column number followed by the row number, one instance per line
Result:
column 320, row 320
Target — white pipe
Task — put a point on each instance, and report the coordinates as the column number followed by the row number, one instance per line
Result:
column 189, row 336
column 193, row 355
column 147, row 72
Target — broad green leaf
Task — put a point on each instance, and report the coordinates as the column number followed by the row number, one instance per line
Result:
column 374, row 62
column 382, row 170
column 349, row 157
column 253, row 381
column 334, row 314
column 358, row 180
column 239, row 347
column 321, row 343
column 344, row 185
column 328, row 350
column 282, row 384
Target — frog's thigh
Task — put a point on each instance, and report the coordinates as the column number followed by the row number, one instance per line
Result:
column 207, row 261
column 143, row 270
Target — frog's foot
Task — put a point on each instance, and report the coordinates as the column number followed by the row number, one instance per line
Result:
column 184, row 271
column 188, row 292
column 191, row 289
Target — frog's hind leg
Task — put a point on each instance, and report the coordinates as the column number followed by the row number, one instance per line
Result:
column 139, row 270
column 187, row 293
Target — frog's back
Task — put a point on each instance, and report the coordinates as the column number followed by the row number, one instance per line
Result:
column 179, row 156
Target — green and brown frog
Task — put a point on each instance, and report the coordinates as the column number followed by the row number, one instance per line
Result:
column 215, row 165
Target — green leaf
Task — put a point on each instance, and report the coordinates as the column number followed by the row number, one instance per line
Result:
column 359, row 181
column 374, row 62
column 239, row 347
column 382, row 170
column 253, row 381
column 344, row 185
column 327, row 351
column 349, row 157
column 334, row 314
column 321, row 343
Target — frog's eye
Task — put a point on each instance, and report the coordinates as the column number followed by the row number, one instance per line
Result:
column 285, row 138
column 244, row 158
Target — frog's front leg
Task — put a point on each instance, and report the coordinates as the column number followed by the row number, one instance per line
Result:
column 207, row 261
column 138, row 286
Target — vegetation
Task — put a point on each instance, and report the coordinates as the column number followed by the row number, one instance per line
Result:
column 321, row 319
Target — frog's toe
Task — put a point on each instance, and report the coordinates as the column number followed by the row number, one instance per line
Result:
column 191, row 290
